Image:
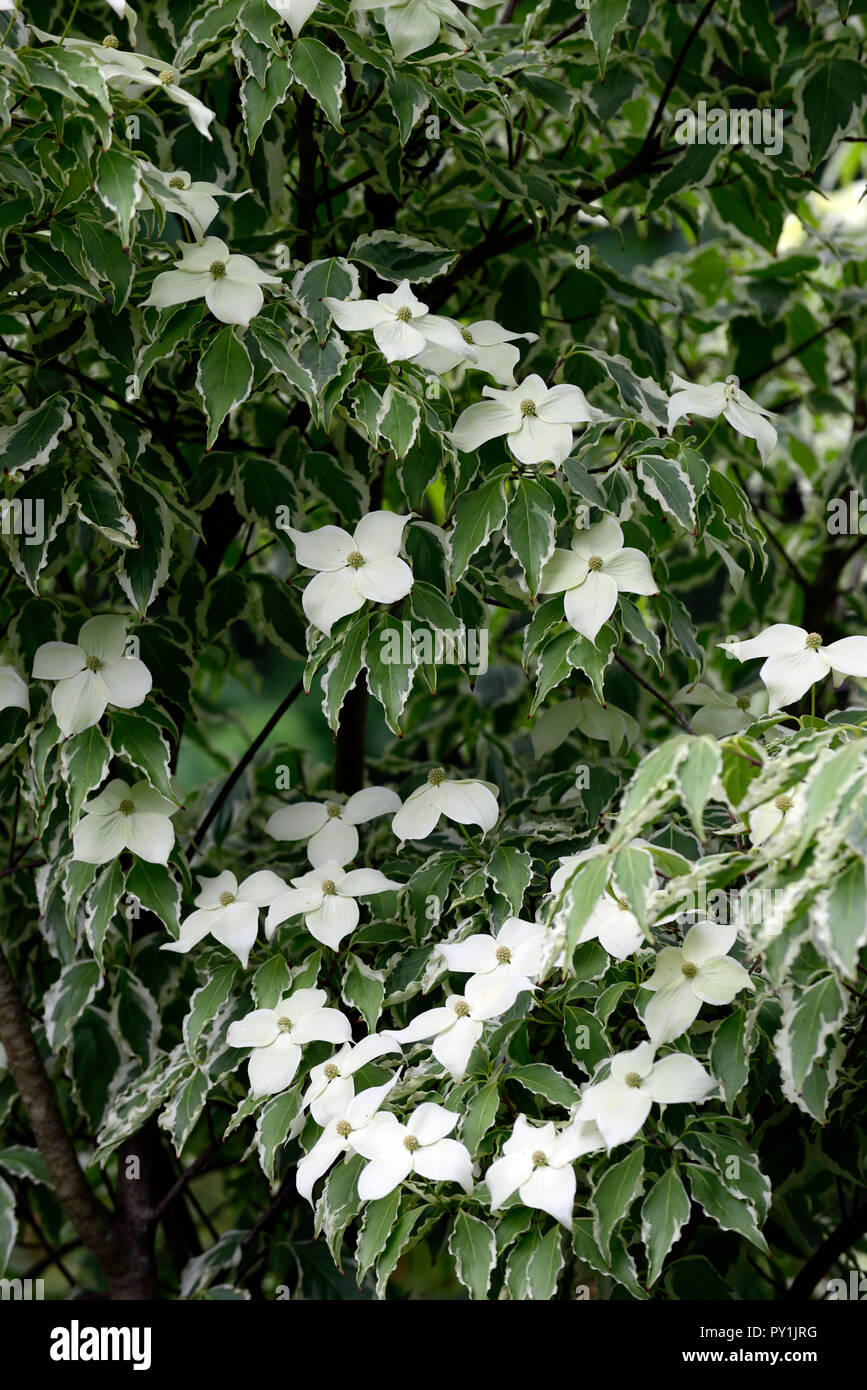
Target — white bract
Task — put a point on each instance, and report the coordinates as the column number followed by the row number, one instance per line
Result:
column 459, row 799
column 122, row 817
column 401, row 324
column 778, row 819
column 331, row 1087
column 537, row 420
column 720, row 713
column 622, row 1102
column 295, row 12
column 176, row 191
column 345, row 1122
column 330, row 826
column 594, row 572
column 796, row 659
column 537, row 1164
column 727, row 399
column 412, row 25
column 136, row 75
column 229, row 912
column 352, row 569
column 455, row 1029
column 420, row 1146
column 278, row 1035
column 501, row 966
column 230, row 285
column 13, row 690
column 491, row 346
column 326, row 899
column 91, row 674
column 684, row 978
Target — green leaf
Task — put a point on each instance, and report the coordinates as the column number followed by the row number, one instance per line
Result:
column 205, row 1003
column 102, row 904
column 614, row 1194
column 696, row 775
column 535, row 1265
column 157, row 890
column 828, row 100
column 530, row 529
column 510, row 871
column 723, row 1207
column 223, row 378
column 396, row 257
column 321, row 73
column 664, row 1212
column 579, row 897
column 398, row 420
column 84, row 761
column 474, row 1249
column 839, row 919
column 135, row 737
column 391, row 659
column 603, row 18
column 334, row 277
column 33, row 438
column 8, row 1223
column 363, row 989
column 67, row 999
column 259, row 102
column 272, row 1129
column 633, row 870
column 480, row 1115
column 270, row 982
column 379, row 1218
column 119, row 187
column 479, row 513
column 546, row 1081
column 728, row 1056
column 670, row 485
column 342, row 670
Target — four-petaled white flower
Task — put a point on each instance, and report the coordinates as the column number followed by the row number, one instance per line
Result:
column 796, row 659
column 176, row 191
column 622, row 1102
column 331, row 1087
column 536, row 420
column 492, row 351
column 778, row 819
column 230, row 285
column 329, row 826
column 684, row 978
column 13, row 690
column 229, row 912
column 537, row 1163
column 459, row 799
column 352, row 569
column 295, row 12
column 727, row 399
column 345, row 1121
column 455, row 1029
column 501, row 966
column 402, row 326
column 419, row 1146
column 594, row 572
column 721, row 713
column 412, row 25
column 122, row 817
column 278, row 1035
column 135, row 74
column 91, row 674
column 326, row 899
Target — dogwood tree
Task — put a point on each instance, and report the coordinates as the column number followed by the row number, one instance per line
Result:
column 335, row 960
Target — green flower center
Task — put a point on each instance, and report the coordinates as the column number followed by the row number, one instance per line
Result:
column 540, row 1160
column 331, row 1072
column 595, row 562
column 466, row 335
column 167, row 77
column 226, row 899
column 528, row 407
column 436, row 776
column 176, row 182
column 217, row 269
column 404, row 314
column 284, row 1025
column 93, row 663
column 127, row 807
column 344, row 1128
column 731, row 388
column 504, row 955
column 110, row 41
column 689, row 969
column 784, row 803
column 814, row 640
column 743, row 702
column 355, row 560
column 632, row 1079
column 328, row 886
column 332, row 809
column 410, row 1143
column 462, row 1009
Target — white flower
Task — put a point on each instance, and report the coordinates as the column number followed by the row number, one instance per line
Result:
column 455, row 1029
column 491, row 346
column 91, row 674
column 501, row 966
column 796, row 659
column 295, row 12
column 412, row 25
column 537, row 421
column 724, row 398
column 460, row 799
column 583, row 714
column 352, row 568
column 594, row 572
column 277, row 1036
column 229, row 912
column 684, row 978
column 720, row 713
column 331, row 1087
column 230, row 285
column 326, row 898
column 176, row 192
column 537, row 1163
column 782, row 813
column 135, row 74
column 122, row 817
column 402, row 326
column 420, row 1146
column 621, row 1104
column 329, row 825
column 345, row 1122
column 13, row 690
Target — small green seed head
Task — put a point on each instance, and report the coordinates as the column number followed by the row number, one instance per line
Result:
column 284, row 1025
column 540, row 1160
column 110, row 41
column 328, row 886
column 689, row 969
column 462, row 1008
column 528, row 407
column 331, row 1071
column 217, row 269
column 743, row 702
column 226, row 899
column 504, row 955
column 126, row 807
column 176, row 182
column 784, row 803
column 332, row 809
column 167, row 77
column 814, row 640
column 595, row 562
column 344, row 1128
column 355, row 560
column 93, row 663
column 404, row 314
column 466, row 335
column 410, row 1143
column 633, row 1079
column 436, row 776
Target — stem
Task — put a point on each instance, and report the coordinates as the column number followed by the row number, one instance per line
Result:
column 657, row 694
